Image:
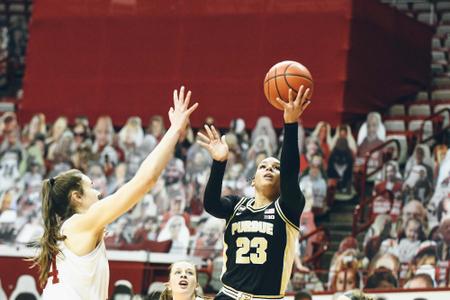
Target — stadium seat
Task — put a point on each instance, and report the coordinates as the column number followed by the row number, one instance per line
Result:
column 440, row 106
column 397, row 110
column 436, row 43
column 447, row 43
column 438, row 56
column 423, row 95
column 123, row 289
column 25, row 288
column 442, row 6
column 419, row 110
column 421, row 7
column 395, row 125
column 156, row 286
column 437, row 69
column 445, row 18
column 440, row 94
column 443, row 30
column 402, row 6
column 17, row 8
column 427, row 18
column 2, row 292
column 441, row 82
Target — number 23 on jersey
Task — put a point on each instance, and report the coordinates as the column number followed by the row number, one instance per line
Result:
column 244, row 246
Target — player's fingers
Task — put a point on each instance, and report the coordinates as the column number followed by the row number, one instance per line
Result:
column 209, row 132
column 216, row 134
column 281, row 102
column 305, row 105
column 192, row 108
column 181, row 96
column 203, row 137
column 188, row 98
column 306, row 95
column 300, row 94
column 291, row 95
column 203, row 144
column 175, row 97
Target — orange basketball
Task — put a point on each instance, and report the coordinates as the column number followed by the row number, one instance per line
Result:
column 283, row 76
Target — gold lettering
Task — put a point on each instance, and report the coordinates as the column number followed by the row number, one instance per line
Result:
column 234, row 228
column 269, row 229
column 252, row 226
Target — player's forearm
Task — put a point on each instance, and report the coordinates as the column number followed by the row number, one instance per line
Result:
column 291, row 197
column 213, row 189
column 152, row 167
column 106, row 211
column 290, row 160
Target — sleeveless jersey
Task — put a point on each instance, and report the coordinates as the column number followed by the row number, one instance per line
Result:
column 80, row 277
column 259, row 249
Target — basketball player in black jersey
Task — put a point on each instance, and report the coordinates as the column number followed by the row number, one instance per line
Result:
column 261, row 232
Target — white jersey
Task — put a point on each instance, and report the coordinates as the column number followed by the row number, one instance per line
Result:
column 80, row 277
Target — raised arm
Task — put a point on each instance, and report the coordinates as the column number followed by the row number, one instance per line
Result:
column 292, row 200
column 218, row 149
column 107, row 210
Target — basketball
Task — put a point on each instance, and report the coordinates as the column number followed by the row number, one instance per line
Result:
column 283, row 76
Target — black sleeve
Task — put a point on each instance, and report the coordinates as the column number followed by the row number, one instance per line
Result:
column 215, row 205
column 292, row 200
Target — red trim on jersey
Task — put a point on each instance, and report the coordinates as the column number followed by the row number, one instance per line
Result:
column 54, row 272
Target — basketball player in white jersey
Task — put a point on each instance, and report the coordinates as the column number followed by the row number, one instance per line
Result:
column 72, row 261
column 183, row 283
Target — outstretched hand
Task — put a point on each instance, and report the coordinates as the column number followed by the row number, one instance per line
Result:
column 216, row 145
column 180, row 112
column 294, row 108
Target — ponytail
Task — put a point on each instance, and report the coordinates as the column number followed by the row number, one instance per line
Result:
column 56, row 207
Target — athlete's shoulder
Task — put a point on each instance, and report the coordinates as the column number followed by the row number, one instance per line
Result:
column 237, row 200
column 294, row 223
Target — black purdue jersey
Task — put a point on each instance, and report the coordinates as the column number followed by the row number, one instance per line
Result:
column 259, row 249
column 259, row 243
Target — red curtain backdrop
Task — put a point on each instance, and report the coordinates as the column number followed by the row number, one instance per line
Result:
column 124, row 57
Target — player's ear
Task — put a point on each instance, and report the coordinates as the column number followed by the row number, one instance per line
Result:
column 253, row 182
column 76, row 197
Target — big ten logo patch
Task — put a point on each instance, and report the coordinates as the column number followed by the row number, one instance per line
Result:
column 269, row 214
